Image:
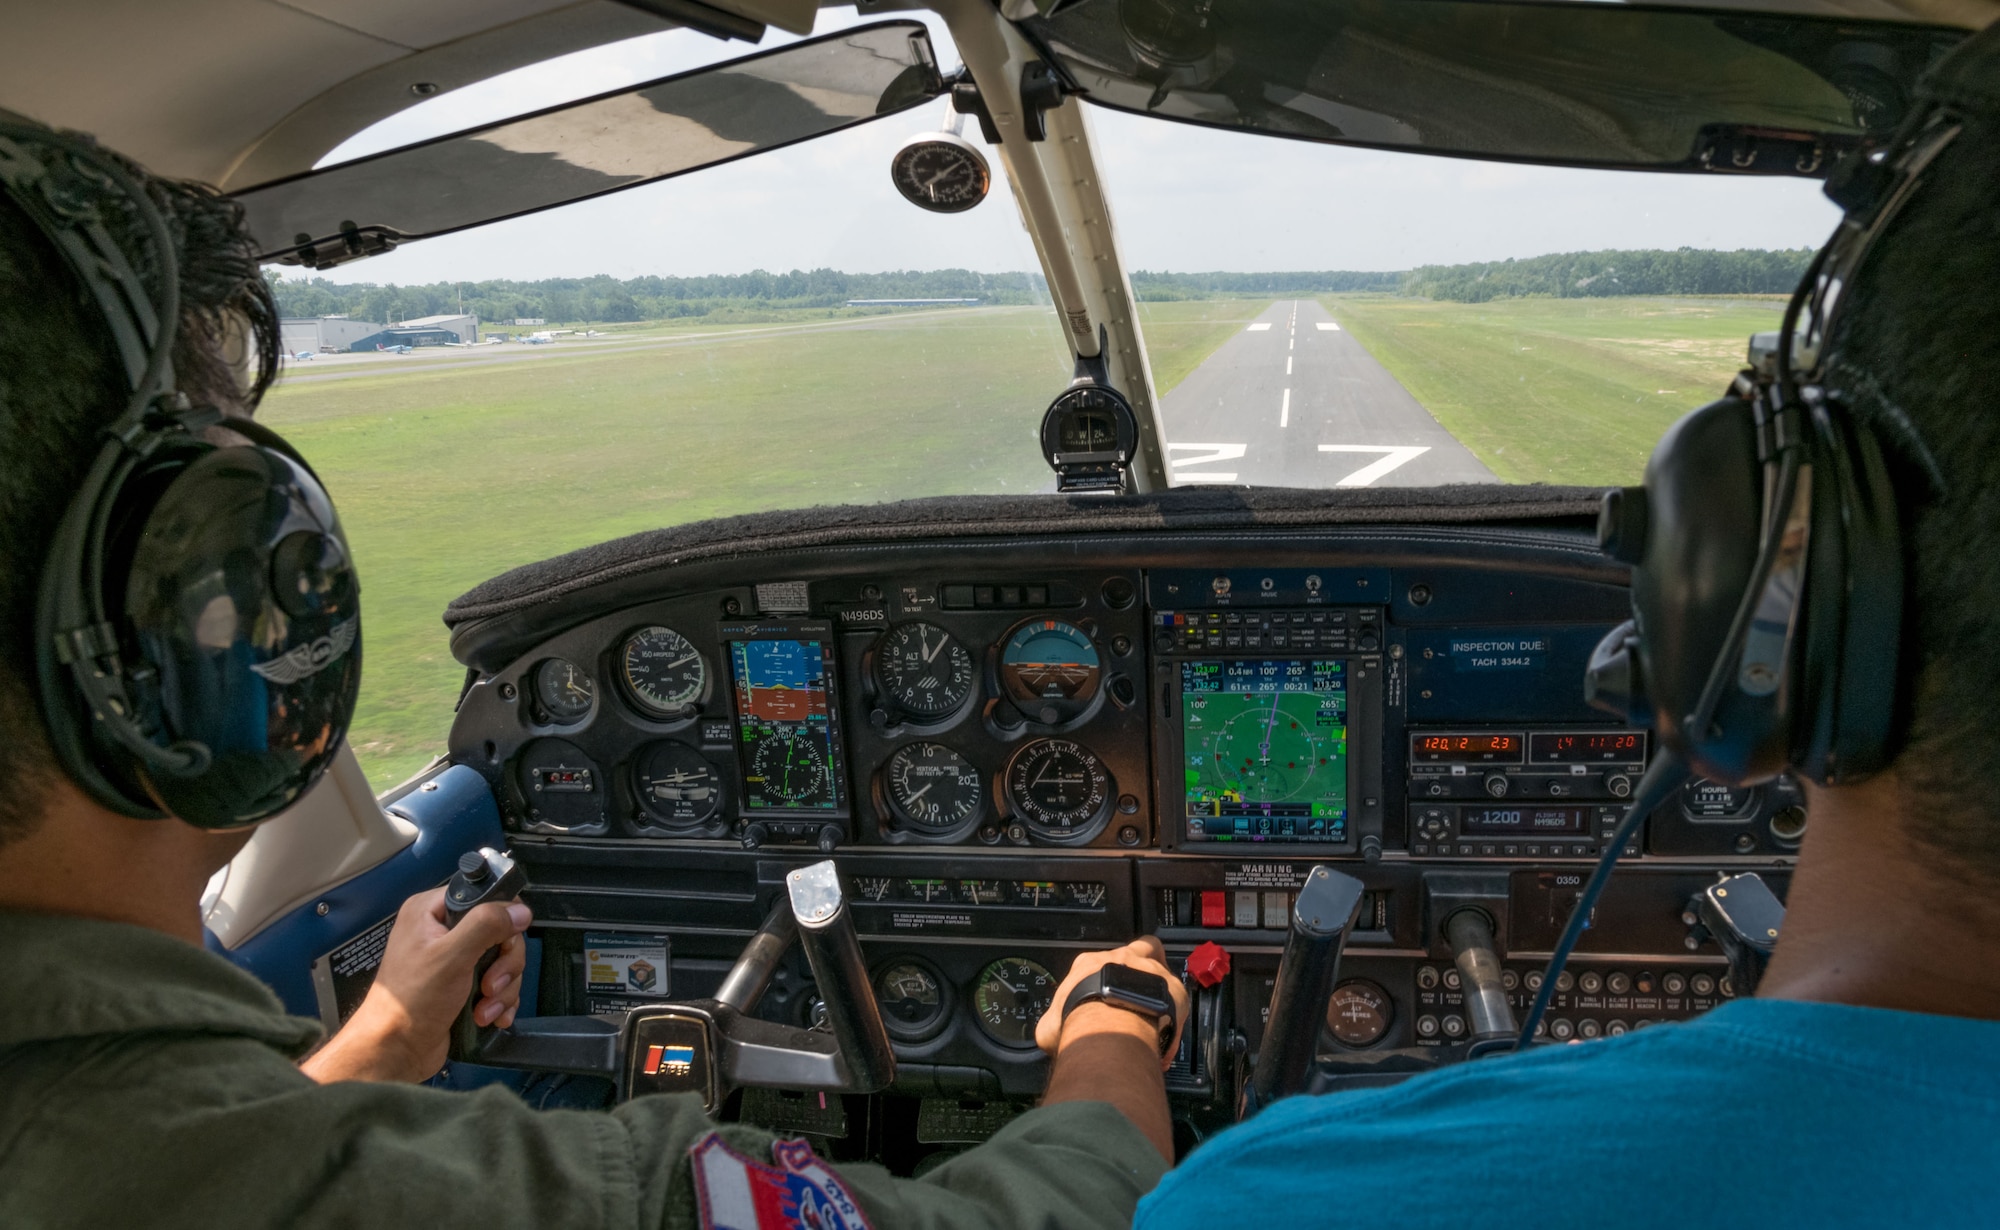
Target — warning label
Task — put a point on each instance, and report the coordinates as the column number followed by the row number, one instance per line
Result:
column 1265, row 875
column 911, row 920
column 352, row 966
column 630, row 965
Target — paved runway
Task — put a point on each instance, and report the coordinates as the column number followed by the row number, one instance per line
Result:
column 1295, row 401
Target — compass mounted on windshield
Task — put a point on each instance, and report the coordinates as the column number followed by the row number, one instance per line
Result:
column 941, row 171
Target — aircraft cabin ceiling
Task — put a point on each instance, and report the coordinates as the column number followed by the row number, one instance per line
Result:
column 238, row 92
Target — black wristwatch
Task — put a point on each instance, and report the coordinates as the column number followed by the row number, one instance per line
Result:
column 1131, row 989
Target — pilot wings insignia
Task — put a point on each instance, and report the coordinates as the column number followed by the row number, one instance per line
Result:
column 312, row 658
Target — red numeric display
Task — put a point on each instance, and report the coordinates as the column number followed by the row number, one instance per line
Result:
column 1482, row 748
column 1588, row 747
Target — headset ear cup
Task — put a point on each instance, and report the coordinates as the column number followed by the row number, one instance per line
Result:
column 1851, row 655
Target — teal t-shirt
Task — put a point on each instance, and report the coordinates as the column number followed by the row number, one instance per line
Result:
column 1763, row 1113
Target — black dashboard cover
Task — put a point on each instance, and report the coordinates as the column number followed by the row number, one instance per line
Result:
column 565, row 580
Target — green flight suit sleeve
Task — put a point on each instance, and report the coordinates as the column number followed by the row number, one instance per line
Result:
column 208, row 1133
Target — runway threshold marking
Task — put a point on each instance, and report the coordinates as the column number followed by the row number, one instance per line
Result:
column 1210, row 452
column 1259, row 327
column 1285, row 410
column 1394, row 455
column 1327, row 326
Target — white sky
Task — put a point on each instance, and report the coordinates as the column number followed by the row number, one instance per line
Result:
column 1183, row 198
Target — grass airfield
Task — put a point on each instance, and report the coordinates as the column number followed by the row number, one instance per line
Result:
column 450, row 466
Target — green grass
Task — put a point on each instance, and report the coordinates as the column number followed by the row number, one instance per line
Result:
column 446, row 476
column 1559, row 390
column 450, row 468
column 1180, row 336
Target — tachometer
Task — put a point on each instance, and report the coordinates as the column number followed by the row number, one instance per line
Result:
column 1011, row 995
column 664, row 673
column 932, row 787
column 1050, row 668
column 1059, row 789
column 564, row 690
column 675, row 783
column 924, row 670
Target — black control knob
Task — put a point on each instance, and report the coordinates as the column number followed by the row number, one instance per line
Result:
column 755, row 834
column 472, row 866
column 1496, row 785
column 829, row 837
column 1619, row 785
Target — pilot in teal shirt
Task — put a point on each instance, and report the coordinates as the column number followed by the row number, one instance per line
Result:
column 1766, row 1113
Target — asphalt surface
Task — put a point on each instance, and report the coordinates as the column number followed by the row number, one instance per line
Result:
column 1294, row 401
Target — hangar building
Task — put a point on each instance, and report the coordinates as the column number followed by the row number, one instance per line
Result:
column 465, row 326
column 322, row 334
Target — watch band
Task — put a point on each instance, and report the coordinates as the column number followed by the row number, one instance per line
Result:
column 1135, row 991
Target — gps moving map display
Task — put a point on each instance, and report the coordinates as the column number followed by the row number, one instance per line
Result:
column 1265, row 749
column 784, row 716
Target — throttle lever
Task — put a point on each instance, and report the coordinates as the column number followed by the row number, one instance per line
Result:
column 1322, row 915
column 483, row 875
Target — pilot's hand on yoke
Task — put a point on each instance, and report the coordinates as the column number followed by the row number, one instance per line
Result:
column 402, row 1030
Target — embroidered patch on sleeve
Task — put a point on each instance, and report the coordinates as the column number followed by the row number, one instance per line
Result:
column 799, row 1193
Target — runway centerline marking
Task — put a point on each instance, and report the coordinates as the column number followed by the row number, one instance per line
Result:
column 1285, row 410
column 1394, row 455
column 1288, row 365
column 1259, row 327
column 1327, row 326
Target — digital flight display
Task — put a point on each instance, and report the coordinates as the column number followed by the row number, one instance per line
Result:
column 1265, row 749
column 1469, row 748
column 1523, row 821
column 1588, row 747
column 785, row 723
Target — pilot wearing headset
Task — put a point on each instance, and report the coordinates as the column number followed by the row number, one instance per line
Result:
column 180, row 651
column 1816, row 585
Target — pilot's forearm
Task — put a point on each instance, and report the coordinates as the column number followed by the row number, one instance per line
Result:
column 1111, row 1055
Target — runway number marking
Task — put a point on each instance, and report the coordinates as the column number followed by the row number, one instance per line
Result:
column 1209, row 452
column 1285, row 409
column 1259, row 327
column 1394, row 455
column 1327, row 326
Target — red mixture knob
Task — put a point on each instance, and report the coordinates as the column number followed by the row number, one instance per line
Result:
column 1208, row 964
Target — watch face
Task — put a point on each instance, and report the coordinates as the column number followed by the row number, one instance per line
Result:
column 1135, row 984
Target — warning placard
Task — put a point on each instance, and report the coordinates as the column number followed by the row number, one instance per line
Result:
column 629, row 965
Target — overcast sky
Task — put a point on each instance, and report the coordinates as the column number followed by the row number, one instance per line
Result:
column 1183, row 198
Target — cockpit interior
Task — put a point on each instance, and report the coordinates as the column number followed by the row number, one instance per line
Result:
column 1292, row 678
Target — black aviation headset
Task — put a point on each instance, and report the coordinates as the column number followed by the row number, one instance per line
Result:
column 198, row 631
column 1766, row 545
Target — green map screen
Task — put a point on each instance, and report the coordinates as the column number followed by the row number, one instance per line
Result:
column 1265, row 745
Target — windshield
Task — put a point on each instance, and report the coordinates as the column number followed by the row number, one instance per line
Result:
column 1324, row 317
column 788, row 330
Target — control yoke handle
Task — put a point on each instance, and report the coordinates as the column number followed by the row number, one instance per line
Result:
column 1322, row 915
column 1743, row 916
column 712, row 1046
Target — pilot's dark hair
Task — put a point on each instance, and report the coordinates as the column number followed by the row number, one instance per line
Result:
column 61, row 385
column 1920, row 340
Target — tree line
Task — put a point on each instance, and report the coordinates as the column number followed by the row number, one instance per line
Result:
column 1580, row 275
column 1567, row 275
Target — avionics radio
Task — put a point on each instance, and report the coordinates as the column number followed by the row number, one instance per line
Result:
column 1528, row 793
